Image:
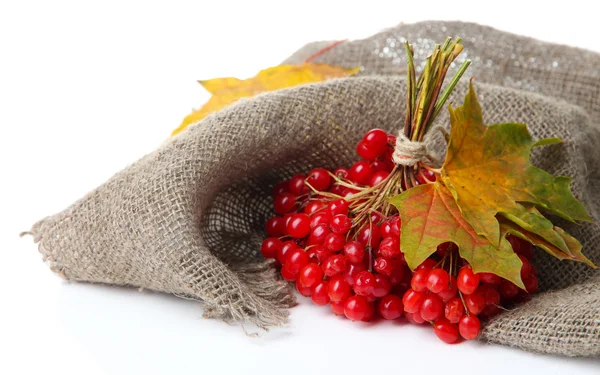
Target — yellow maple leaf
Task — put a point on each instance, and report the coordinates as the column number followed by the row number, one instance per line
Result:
column 226, row 91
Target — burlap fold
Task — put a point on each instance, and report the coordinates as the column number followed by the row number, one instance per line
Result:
column 188, row 218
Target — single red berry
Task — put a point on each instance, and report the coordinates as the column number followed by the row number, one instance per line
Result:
column 287, row 274
column 531, row 284
column 386, row 229
column 412, row 300
column 391, row 140
column 454, row 310
column 353, row 269
column 400, row 274
column 377, row 218
column 438, row 280
column 334, row 265
column 396, row 224
column 320, row 293
column 370, row 310
column 445, row 248
column 340, row 224
column 338, row 307
column 317, row 235
column 284, row 203
column 356, row 308
column 507, row 289
column 475, row 302
column 360, row 173
column 318, row 253
column 319, row 179
column 450, row 292
column 354, row 251
column 275, row 227
column 520, row 246
column 469, row 327
column 382, row 165
column 432, row 307
column 467, row 281
column 526, row 268
column 366, row 152
column 414, row 318
column 280, row 188
column 305, row 291
column 338, row 289
column 296, row 261
column 376, row 139
column 299, row 226
column 428, row 264
column 364, row 282
column 318, row 219
column 341, row 172
column 490, row 278
column 426, row 176
column 390, row 307
column 310, row 275
column 419, row 280
column 270, row 247
column 285, row 250
column 334, row 242
column 369, row 235
column 491, row 295
column 338, row 207
column 313, row 207
column 297, row 185
column 490, row 311
column 337, row 190
column 446, row 331
column 389, row 247
column 378, row 177
column 382, row 286
column 384, row 266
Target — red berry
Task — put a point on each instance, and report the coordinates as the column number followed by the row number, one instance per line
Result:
column 370, row 310
column 489, row 278
column 384, row 266
column 317, row 235
column 399, row 274
column 454, row 310
column 320, row 293
column 425, row 176
column 337, row 190
column 467, row 281
column 354, row 251
column 507, row 289
column 386, row 229
column 531, row 284
column 284, row 203
column 338, row 289
column 280, row 188
column 287, row 274
column 432, row 307
column 378, row 177
column 360, row 172
column 297, row 186
column 318, row 219
column 526, row 268
column 366, row 152
column 305, row 291
column 382, row 166
column 490, row 311
column 490, row 294
column 313, row 207
column 319, row 179
column 338, row 307
column 396, row 224
column 475, row 302
column 275, row 227
column 296, row 261
column 445, row 248
column 414, row 318
column 356, row 308
column 310, row 275
column 338, row 207
column 270, row 247
column 340, row 224
column 450, row 292
column 412, row 300
column 334, row 265
column 390, row 307
column 446, row 331
column 438, row 280
column 428, row 264
column 376, row 139
column 285, row 250
column 352, row 269
column 419, row 280
column 334, row 242
column 520, row 246
column 341, row 172
column 389, row 247
column 382, row 286
column 364, row 282
column 369, row 235
column 469, row 327
column 299, row 226
column 318, row 253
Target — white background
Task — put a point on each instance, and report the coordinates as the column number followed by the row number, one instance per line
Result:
column 88, row 87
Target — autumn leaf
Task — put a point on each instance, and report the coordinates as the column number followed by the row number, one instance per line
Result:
column 226, row 91
column 488, row 171
column 431, row 217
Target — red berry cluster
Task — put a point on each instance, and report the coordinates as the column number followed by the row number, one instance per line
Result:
column 335, row 238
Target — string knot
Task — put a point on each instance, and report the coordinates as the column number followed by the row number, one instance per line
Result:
column 409, row 153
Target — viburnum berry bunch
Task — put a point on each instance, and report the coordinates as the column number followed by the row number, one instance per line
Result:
column 390, row 237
